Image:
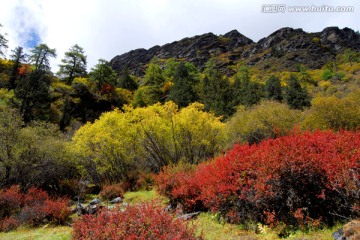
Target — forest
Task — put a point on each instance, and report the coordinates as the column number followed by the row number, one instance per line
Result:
column 281, row 151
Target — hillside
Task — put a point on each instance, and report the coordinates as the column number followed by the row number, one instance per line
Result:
column 260, row 137
column 284, row 49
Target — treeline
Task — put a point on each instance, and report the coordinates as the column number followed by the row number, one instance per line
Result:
column 73, row 96
column 303, row 180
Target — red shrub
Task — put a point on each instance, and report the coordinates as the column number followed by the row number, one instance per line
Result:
column 10, row 201
column 35, row 196
column 34, row 207
column 180, row 185
column 40, row 207
column 144, row 221
column 57, row 210
column 110, row 192
column 317, row 172
column 9, row 223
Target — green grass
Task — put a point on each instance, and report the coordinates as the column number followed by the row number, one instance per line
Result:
column 41, row 233
column 142, row 196
column 211, row 229
column 208, row 226
column 320, row 234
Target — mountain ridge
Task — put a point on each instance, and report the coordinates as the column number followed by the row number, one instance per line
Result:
column 285, row 48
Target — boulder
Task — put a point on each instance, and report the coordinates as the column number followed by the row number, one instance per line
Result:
column 116, row 200
column 95, row 201
column 350, row 231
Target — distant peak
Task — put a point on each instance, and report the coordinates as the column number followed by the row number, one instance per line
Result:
column 284, row 32
column 233, row 33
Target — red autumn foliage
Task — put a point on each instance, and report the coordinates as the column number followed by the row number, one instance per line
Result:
column 32, row 207
column 35, row 196
column 107, row 89
column 178, row 183
column 10, row 201
column 316, row 172
column 110, row 192
column 9, row 223
column 24, row 70
column 144, row 221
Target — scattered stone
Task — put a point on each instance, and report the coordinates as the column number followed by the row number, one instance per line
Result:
column 350, row 231
column 95, row 201
column 169, row 208
column 339, row 234
column 92, row 208
column 80, row 209
column 116, row 200
column 189, row 216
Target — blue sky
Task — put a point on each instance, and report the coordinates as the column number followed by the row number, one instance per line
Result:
column 27, row 32
column 33, row 38
column 106, row 28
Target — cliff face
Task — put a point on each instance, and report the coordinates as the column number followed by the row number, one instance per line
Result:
column 286, row 48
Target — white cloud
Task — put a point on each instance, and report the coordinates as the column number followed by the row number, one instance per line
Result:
column 106, row 28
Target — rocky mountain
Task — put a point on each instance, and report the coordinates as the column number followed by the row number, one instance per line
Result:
column 286, row 48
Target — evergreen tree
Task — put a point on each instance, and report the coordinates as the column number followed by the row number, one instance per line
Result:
column 3, row 44
column 152, row 90
column 33, row 93
column 17, row 58
column 217, row 93
column 66, row 116
column 296, row 96
column 273, row 89
column 102, row 74
column 40, row 57
column 147, row 95
column 154, row 74
column 74, row 64
column 126, row 81
column 170, row 69
column 245, row 92
column 183, row 90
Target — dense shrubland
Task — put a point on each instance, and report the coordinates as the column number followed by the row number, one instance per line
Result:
column 32, row 207
column 300, row 179
column 33, row 155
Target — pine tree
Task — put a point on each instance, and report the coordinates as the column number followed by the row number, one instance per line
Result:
column 3, row 44
column 17, row 58
column 154, row 74
column 273, row 89
column 217, row 92
column 40, row 57
column 102, row 74
column 126, row 81
column 183, row 90
column 296, row 96
column 74, row 64
column 245, row 92
column 33, row 93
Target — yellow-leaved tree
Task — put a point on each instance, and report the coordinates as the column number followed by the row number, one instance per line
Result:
column 266, row 120
column 334, row 113
column 147, row 139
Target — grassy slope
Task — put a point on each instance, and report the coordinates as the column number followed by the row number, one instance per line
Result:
column 42, row 233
